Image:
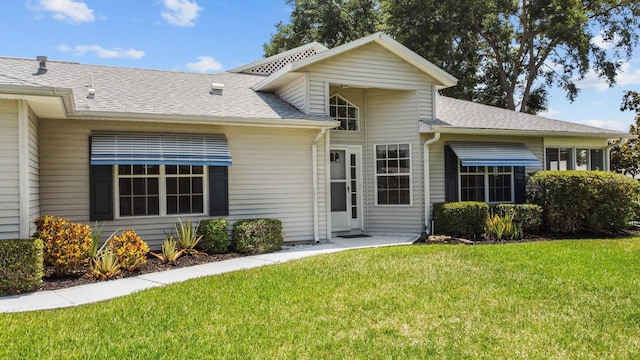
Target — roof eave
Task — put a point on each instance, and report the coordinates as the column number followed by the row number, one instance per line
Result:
column 205, row 120
column 65, row 94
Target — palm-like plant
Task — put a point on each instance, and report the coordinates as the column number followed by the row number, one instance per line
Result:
column 187, row 237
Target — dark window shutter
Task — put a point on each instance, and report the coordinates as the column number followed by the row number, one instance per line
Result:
column 101, row 196
column 218, row 190
column 519, row 187
column 450, row 174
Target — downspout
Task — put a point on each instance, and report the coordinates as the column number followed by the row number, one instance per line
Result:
column 427, row 184
column 607, row 152
column 314, row 164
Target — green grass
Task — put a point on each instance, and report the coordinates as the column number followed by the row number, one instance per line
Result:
column 547, row 300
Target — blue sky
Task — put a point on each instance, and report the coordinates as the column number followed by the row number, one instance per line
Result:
column 214, row 35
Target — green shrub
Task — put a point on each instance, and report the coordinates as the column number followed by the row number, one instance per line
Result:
column 130, row 249
column 21, row 266
column 465, row 218
column 575, row 201
column 528, row 215
column 66, row 244
column 215, row 237
column 257, row 236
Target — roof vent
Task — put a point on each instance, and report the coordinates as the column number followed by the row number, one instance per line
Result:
column 216, row 89
column 42, row 69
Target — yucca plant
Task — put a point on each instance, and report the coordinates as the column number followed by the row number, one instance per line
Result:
column 495, row 226
column 170, row 252
column 503, row 227
column 105, row 265
column 187, row 237
column 96, row 234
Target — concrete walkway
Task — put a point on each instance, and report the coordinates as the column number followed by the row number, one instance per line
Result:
column 90, row 293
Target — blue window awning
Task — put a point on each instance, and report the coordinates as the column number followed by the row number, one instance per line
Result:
column 494, row 154
column 160, row 149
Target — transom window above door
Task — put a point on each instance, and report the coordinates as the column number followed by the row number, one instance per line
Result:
column 344, row 111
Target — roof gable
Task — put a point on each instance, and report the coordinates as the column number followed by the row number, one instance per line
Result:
column 441, row 78
column 272, row 64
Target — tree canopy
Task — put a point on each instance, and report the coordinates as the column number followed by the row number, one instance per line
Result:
column 506, row 53
column 626, row 158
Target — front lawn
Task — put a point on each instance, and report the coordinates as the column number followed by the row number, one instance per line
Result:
column 560, row 299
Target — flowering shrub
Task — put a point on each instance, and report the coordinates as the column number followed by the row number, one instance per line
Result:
column 66, row 244
column 130, row 249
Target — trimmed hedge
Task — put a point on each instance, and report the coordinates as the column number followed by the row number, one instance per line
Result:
column 594, row 201
column 257, row 236
column 529, row 215
column 215, row 237
column 464, row 218
column 21, row 266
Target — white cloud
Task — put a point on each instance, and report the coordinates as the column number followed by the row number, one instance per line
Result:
column 205, row 64
column 626, row 76
column 606, row 124
column 70, row 11
column 550, row 113
column 598, row 103
column 101, row 52
column 181, row 13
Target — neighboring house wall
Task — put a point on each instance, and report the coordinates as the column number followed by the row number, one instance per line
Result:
column 34, row 170
column 436, row 156
column 294, row 93
column 271, row 175
column 9, row 176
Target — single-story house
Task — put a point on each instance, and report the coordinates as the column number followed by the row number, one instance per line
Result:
column 350, row 139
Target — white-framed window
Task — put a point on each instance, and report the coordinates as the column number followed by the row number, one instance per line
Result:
column 589, row 159
column 393, row 174
column 345, row 112
column 493, row 184
column 574, row 158
column 148, row 190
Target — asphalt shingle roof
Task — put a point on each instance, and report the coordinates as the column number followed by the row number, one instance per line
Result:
column 462, row 114
column 144, row 91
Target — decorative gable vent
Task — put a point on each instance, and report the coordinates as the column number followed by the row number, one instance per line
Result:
column 273, row 66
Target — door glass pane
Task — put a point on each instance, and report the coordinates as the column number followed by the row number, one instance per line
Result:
column 338, row 165
column 338, row 196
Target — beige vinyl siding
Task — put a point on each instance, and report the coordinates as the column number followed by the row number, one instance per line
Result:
column 436, row 156
column 34, row 170
column 317, row 95
column 369, row 66
column 425, row 103
column 294, row 93
column 9, row 176
column 271, row 175
column 392, row 119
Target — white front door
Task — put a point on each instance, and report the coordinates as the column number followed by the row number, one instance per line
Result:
column 345, row 188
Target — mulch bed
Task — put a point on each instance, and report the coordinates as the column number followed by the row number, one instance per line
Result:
column 153, row 264
column 451, row 240
column 51, row 282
